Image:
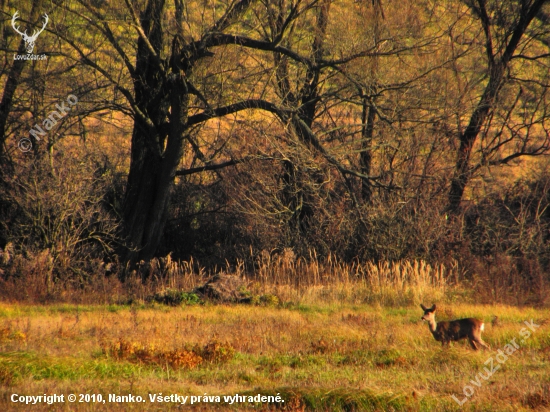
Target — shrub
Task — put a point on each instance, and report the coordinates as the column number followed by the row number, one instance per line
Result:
column 58, row 224
column 173, row 297
column 187, row 358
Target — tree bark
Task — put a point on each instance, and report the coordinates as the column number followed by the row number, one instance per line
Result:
column 367, row 119
column 12, row 82
column 144, row 207
column 467, row 139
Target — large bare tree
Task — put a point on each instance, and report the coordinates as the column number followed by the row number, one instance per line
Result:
column 170, row 96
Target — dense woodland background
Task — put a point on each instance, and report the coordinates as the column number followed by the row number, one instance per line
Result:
column 235, row 134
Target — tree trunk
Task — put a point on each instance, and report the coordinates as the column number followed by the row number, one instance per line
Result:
column 467, row 139
column 497, row 66
column 368, row 114
column 295, row 193
column 147, row 190
column 162, row 96
column 13, row 81
column 367, row 119
column 141, row 218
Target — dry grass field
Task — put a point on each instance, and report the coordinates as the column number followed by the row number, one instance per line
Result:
column 321, row 351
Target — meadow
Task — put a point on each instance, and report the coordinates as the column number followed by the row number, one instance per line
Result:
column 345, row 161
column 343, row 346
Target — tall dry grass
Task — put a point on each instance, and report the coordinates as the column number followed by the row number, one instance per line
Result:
column 401, row 282
column 289, row 277
column 285, row 275
column 298, row 279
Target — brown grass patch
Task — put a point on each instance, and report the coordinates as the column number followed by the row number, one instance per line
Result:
column 185, row 358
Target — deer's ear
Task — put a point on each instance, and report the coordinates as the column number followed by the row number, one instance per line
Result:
column 422, row 306
column 433, row 307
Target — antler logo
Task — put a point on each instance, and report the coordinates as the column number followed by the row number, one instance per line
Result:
column 29, row 40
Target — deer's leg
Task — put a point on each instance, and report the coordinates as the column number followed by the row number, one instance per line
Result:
column 482, row 343
column 476, row 337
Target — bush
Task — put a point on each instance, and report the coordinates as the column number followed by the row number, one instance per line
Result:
column 173, row 297
column 187, row 358
column 58, row 225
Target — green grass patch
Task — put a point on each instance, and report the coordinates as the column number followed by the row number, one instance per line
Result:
column 22, row 365
column 335, row 400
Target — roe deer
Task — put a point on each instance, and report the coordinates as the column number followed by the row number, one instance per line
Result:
column 455, row 330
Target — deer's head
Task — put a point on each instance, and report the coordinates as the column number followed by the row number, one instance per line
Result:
column 29, row 40
column 429, row 313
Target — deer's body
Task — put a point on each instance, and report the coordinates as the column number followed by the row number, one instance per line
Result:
column 455, row 330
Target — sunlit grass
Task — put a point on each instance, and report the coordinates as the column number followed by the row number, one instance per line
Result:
column 322, row 356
